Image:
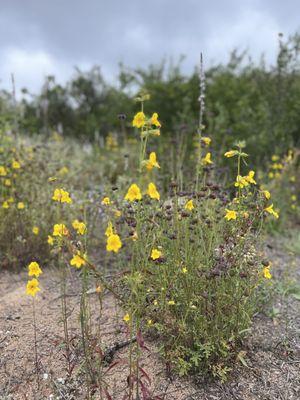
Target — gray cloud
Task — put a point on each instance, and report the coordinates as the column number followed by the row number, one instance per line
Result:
column 39, row 37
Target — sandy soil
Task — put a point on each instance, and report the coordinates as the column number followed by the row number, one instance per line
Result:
column 272, row 351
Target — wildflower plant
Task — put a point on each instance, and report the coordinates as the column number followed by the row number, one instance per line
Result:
column 194, row 265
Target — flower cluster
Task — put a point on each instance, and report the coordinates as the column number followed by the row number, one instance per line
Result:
column 32, row 287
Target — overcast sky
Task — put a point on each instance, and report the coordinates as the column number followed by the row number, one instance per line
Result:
column 40, row 37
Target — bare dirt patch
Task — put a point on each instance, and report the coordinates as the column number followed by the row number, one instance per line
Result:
column 272, row 351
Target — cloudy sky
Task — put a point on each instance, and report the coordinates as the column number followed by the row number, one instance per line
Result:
column 40, row 37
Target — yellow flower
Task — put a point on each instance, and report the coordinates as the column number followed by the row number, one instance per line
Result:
column 113, row 243
column 3, row 171
column 241, row 182
column 32, row 287
column 293, row 197
column 35, row 230
column 126, row 318
column 267, row 194
column 152, row 162
column 155, row 254
column 62, row 196
column 149, row 322
column 60, row 230
column 271, row 175
column 189, row 205
column 63, row 171
column 171, row 302
column 230, row 214
column 206, row 140
column 292, row 179
column 231, row 153
column 271, row 211
column 106, row 201
column 207, row 159
column 5, row 204
column 275, row 158
column 10, row 200
column 50, row 240
column 79, row 226
column 118, row 213
column 134, row 193
column 78, row 260
column 21, row 205
column 34, row 269
column 250, row 176
column 184, row 270
column 266, row 272
column 139, row 120
column 154, row 120
column 152, row 191
column 155, row 132
column 15, row 164
column 109, row 230
column 7, row 182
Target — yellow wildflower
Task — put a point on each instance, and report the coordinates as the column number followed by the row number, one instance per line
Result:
column 126, row 318
column 3, row 171
column 63, row 171
column 62, row 196
column 139, row 120
column 189, row 205
column 7, row 182
column 275, row 158
column 155, row 254
column 231, row 153
column 32, row 287
column 171, row 302
column 5, row 204
column 15, row 164
column 50, row 240
column 35, row 230
column 79, row 226
column 109, row 230
column 267, row 194
column 152, row 191
column 152, row 162
column 250, row 176
column 230, row 214
column 10, row 200
column 207, row 159
column 113, row 243
column 241, row 182
column 34, row 269
column 271, row 211
column 292, row 179
column 293, row 197
column 184, row 270
column 60, row 230
column 20, row 205
column 118, row 213
column 78, row 260
column 106, row 201
column 206, row 140
column 154, row 120
column 133, row 193
column 266, row 272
